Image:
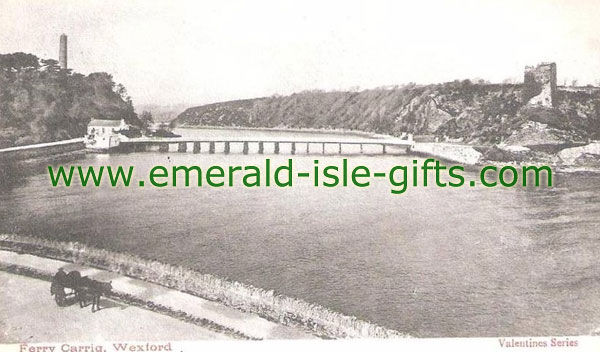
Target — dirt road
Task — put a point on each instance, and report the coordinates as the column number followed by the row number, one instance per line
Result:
column 29, row 314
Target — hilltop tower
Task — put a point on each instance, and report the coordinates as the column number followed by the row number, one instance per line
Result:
column 62, row 55
column 539, row 85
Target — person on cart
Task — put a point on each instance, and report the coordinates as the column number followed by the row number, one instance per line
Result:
column 57, row 289
column 60, row 276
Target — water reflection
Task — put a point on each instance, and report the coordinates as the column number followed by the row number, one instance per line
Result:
column 11, row 175
column 16, row 173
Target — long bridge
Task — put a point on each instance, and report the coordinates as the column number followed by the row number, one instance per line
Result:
column 220, row 144
column 312, row 145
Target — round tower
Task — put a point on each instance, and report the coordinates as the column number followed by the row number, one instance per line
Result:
column 62, row 55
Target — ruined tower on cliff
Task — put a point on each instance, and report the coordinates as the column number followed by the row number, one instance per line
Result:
column 62, row 55
column 539, row 84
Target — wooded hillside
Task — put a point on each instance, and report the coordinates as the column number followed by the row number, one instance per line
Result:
column 479, row 113
column 39, row 102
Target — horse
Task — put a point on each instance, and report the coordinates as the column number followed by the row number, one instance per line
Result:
column 96, row 289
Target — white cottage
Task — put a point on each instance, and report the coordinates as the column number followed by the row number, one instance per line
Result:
column 103, row 135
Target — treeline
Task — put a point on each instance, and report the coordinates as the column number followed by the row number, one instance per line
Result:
column 485, row 113
column 40, row 102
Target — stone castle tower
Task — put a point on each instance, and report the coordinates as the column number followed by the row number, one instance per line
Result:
column 62, row 55
column 539, row 84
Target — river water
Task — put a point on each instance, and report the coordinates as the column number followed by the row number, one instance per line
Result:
column 468, row 261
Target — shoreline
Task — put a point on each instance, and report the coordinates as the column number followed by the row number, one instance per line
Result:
column 359, row 133
column 473, row 157
column 461, row 153
column 466, row 154
column 277, row 308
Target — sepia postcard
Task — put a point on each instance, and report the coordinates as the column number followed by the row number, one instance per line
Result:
column 277, row 174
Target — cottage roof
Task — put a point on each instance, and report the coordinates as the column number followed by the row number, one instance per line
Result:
column 104, row 123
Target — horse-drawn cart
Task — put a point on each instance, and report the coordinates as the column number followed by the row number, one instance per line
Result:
column 79, row 287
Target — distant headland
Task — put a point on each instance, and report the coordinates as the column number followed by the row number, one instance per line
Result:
column 533, row 120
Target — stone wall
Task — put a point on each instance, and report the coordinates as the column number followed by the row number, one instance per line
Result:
column 41, row 150
column 266, row 303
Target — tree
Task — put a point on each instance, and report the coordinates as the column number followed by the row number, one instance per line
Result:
column 50, row 65
column 19, row 61
column 146, row 119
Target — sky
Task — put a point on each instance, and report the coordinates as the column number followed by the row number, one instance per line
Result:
column 198, row 52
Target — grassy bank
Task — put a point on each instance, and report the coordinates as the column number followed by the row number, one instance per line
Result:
column 280, row 308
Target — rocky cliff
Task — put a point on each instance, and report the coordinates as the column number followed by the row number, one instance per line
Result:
column 458, row 111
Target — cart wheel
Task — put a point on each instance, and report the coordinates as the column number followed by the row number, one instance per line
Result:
column 60, row 299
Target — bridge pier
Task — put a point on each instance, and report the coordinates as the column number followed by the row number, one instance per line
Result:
column 195, row 146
